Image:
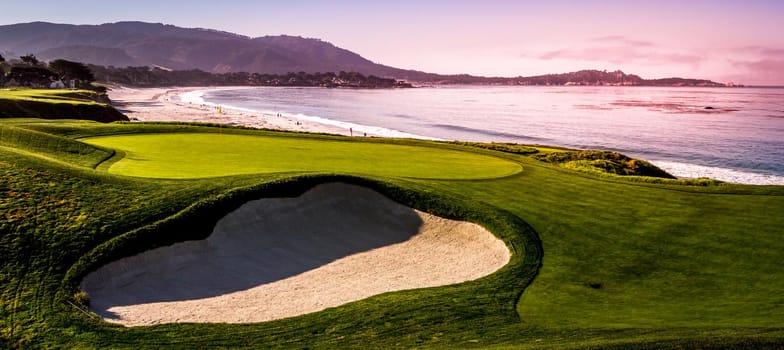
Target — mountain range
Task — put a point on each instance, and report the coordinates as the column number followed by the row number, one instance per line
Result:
column 153, row 44
column 174, row 48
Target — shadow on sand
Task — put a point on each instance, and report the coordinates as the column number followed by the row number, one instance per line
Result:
column 263, row 241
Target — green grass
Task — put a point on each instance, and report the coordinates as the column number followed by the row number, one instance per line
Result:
column 208, row 154
column 57, row 104
column 620, row 256
column 615, row 262
column 51, row 95
column 53, row 147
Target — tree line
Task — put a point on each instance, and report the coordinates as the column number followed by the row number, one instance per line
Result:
column 28, row 71
column 156, row 77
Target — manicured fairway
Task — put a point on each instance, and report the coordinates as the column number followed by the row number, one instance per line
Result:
column 196, row 155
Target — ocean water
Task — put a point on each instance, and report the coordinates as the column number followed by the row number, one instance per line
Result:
column 730, row 134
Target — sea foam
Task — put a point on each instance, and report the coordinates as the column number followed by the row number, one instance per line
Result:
column 685, row 170
column 197, row 97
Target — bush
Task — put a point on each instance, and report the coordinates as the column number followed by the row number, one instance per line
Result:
column 82, row 298
column 604, row 161
column 506, row 147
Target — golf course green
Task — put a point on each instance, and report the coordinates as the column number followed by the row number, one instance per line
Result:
column 178, row 155
column 596, row 261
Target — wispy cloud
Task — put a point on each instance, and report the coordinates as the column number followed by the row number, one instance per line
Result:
column 620, row 49
column 622, row 40
column 761, row 51
column 763, row 72
column 762, row 65
column 765, row 66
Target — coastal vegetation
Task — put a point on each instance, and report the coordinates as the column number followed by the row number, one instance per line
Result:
column 507, row 147
column 597, row 261
column 28, row 71
column 36, row 89
column 604, row 162
column 155, row 77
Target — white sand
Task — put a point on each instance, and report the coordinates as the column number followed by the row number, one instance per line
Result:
column 281, row 257
column 163, row 104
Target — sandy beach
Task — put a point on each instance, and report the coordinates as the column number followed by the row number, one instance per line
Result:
column 166, row 104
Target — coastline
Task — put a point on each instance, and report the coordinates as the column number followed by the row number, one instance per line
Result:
column 185, row 104
column 165, row 104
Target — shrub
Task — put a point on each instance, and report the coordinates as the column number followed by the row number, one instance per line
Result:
column 604, row 161
column 82, row 298
column 506, row 147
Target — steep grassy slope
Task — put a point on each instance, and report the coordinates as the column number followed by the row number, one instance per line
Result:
column 53, row 147
column 624, row 264
column 56, row 104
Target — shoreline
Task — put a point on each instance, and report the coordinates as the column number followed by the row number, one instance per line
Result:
column 165, row 104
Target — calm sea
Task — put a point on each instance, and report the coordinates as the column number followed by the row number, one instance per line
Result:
column 732, row 134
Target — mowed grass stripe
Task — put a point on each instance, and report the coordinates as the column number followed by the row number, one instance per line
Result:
column 198, row 155
column 619, row 255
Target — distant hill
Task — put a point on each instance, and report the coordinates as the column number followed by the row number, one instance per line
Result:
column 159, row 45
column 600, row 78
column 153, row 44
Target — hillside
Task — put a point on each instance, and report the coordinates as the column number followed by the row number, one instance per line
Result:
column 58, row 104
column 125, row 44
column 616, row 78
column 154, row 44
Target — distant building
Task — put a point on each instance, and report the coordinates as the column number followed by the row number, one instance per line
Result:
column 57, row 84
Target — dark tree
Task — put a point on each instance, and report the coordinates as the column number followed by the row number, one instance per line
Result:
column 2, row 71
column 67, row 70
column 145, row 76
column 30, row 59
column 31, row 76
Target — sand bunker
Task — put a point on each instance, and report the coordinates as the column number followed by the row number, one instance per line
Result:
column 282, row 257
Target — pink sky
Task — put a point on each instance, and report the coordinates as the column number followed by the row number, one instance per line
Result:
column 739, row 41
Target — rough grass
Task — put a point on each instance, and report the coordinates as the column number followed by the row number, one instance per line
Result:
column 604, row 162
column 507, row 147
column 53, row 147
column 625, row 264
